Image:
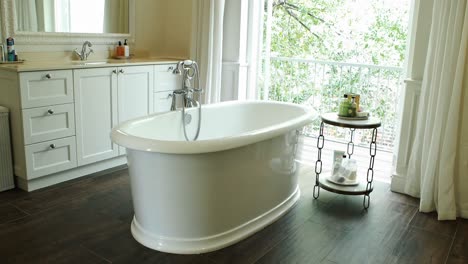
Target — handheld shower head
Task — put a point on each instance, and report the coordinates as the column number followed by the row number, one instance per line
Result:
column 188, row 62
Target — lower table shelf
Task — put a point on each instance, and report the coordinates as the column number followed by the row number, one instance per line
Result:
column 359, row 189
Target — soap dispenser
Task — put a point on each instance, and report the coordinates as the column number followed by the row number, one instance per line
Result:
column 126, row 49
column 119, row 50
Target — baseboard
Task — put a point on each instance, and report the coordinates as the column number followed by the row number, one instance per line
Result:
column 45, row 181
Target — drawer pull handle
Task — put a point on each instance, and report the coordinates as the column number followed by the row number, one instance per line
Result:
column 114, row 71
column 50, row 112
column 121, row 71
column 52, row 146
column 48, row 76
column 170, row 68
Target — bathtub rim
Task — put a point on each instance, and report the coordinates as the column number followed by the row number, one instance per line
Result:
column 121, row 138
column 218, row 241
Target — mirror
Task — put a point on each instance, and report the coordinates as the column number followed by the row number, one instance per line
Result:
column 73, row 16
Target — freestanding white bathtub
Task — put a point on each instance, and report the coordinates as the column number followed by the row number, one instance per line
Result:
column 200, row 196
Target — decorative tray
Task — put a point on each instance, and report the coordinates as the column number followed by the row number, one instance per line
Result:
column 121, row 57
column 353, row 118
column 346, row 182
column 12, row 62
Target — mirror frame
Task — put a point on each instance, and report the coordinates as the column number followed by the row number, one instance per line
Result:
column 8, row 18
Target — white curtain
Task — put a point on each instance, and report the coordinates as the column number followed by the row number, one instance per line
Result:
column 432, row 173
column 208, row 40
column 26, row 15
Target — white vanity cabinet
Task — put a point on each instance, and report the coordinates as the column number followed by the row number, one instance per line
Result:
column 134, row 93
column 61, row 119
column 95, row 113
column 43, row 111
column 165, row 83
column 105, row 97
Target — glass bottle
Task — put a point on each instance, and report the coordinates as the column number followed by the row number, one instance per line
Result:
column 353, row 107
column 344, row 106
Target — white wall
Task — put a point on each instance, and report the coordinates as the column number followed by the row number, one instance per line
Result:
column 163, row 28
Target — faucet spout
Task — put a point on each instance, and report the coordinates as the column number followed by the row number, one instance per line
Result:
column 83, row 55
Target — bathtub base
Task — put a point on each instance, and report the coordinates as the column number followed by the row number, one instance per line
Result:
column 212, row 243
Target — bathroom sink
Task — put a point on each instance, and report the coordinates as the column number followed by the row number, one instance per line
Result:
column 95, row 62
column 90, row 62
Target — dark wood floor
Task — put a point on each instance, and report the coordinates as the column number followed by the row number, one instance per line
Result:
column 88, row 221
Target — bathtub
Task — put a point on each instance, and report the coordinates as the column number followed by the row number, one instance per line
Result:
column 200, row 196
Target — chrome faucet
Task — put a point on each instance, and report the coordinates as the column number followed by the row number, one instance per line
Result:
column 185, row 97
column 83, row 54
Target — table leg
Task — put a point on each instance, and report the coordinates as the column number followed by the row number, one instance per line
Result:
column 318, row 163
column 370, row 171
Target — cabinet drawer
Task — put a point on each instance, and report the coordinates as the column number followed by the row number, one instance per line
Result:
column 46, row 88
column 162, row 102
column 46, row 123
column 165, row 80
column 50, row 157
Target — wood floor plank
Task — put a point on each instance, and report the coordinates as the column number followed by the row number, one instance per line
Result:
column 429, row 222
column 421, row 246
column 9, row 212
column 11, row 195
column 459, row 251
column 60, row 228
column 311, row 243
column 118, row 246
column 373, row 240
column 43, row 200
column 257, row 245
column 343, row 213
column 54, row 254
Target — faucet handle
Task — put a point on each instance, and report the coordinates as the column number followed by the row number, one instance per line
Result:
column 78, row 54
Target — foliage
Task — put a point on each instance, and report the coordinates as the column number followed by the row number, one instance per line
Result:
column 371, row 32
column 365, row 31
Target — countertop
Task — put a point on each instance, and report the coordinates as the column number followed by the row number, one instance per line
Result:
column 28, row 66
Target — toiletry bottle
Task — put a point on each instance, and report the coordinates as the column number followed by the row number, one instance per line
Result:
column 10, row 49
column 119, row 50
column 353, row 108
column 126, row 49
column 337, row 161
column 344, row 106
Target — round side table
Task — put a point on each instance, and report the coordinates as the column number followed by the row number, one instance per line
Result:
column 365, row 186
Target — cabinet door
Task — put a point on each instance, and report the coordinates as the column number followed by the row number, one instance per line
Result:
column 135, row 88
column 95, row 113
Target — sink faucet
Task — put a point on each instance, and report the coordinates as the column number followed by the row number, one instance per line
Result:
column 83, row 54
